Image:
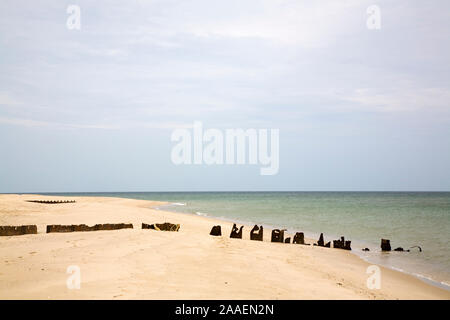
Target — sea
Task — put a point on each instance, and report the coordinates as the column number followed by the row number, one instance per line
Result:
column 407, row 219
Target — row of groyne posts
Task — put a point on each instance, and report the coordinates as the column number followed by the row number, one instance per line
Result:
column 278, row 236
column 52, row 201
column 32, row 229
column 255, row 234
column 299, row 238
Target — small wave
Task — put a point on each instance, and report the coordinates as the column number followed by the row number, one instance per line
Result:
column 418, row 275
column 397, row 269
column 178, row 204
column 201, row 214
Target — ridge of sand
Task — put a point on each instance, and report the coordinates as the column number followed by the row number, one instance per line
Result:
column 189, row 264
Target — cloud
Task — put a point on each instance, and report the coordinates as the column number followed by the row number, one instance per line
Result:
column 303, row 23
column 227, row 62
column 423, row 99
column 7, row 100
column 166, row 125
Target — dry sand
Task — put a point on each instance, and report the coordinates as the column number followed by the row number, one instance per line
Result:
column 189, row 264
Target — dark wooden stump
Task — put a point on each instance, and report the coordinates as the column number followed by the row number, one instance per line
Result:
column 385, row 245
column 216, row 231
column 256, row 233
column 347, row 245
column 299, row 238
column 277, row 235
column 236, row 233
column 342, row 244
column 321, row 243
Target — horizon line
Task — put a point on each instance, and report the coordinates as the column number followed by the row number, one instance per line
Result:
column 229, row 191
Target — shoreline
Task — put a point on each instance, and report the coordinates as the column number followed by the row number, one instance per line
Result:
column 121, row 264
column 311, row 237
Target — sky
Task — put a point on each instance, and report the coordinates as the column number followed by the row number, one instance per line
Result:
column 93, row 109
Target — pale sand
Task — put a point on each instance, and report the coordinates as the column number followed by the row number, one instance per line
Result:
column 189, row 264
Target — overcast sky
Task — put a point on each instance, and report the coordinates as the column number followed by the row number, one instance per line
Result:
column 93, row 109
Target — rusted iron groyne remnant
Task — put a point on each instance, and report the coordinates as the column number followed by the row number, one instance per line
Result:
column 82, row 227
column 17, row 230
column 166, row 226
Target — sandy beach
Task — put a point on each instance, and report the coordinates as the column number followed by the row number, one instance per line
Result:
column 189, row 264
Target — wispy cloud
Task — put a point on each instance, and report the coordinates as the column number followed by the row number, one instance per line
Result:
column 7, row 100
column 423, row 99
column 230, row 61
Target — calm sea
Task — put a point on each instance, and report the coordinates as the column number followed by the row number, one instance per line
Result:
column 406, row 218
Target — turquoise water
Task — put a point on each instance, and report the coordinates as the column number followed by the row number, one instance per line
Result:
column 406, row 218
